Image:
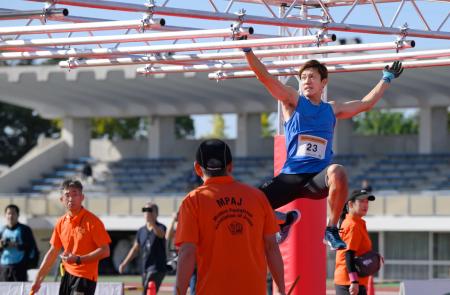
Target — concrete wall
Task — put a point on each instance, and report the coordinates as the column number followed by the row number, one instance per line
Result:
column 108, row 150
column 383, row 144
column 38, row 160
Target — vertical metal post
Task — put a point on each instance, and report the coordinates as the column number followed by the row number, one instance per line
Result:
column 280, row 120
column 430, row 255
column 381, row 249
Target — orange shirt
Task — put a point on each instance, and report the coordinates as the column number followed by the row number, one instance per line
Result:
column 80, row 234
column 227, row 221
column 354, row 234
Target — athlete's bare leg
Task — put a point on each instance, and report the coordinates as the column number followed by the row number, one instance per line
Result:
column 338, row 192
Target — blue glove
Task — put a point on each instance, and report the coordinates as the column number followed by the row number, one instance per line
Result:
column 390, row 73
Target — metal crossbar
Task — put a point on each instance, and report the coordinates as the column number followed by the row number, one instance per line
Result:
column 312, row 19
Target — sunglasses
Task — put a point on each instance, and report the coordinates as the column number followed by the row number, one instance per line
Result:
column 147, row 209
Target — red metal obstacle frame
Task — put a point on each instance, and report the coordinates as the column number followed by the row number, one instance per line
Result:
column 304, row 253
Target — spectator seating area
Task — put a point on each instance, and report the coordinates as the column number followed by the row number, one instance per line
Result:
column 51, row 181
column 128, row 176
column 409, row 172
column 164, row 176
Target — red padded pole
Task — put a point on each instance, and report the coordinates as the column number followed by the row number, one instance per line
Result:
column 304, row 253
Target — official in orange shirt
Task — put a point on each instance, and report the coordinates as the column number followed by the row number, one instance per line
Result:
column 354, row 233
column 228, row 229
column 84, row 240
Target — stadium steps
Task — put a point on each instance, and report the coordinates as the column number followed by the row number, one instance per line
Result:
column 51, row 181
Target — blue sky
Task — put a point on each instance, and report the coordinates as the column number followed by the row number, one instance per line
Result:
column 434, row 14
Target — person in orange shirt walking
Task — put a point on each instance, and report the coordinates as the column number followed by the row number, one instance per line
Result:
column 84, row 239
column 354, row 233
column 227, row 229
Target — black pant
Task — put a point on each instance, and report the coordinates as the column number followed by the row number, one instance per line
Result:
column 285, row 188
column 156, row 277
column 344, row 290
column 72, row 285
column 13, row 273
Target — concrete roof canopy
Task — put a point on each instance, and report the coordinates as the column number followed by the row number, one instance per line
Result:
column 120, row 92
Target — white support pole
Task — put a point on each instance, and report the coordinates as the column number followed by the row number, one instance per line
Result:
column 125, row 38
column 101, row 52
column 237, row 55
column 333, row 69
column 81, row 19
column 68, row 18
column 361, row 59
column 34, row 14
column 284, row 22
column 81, row 24
column 82, row 27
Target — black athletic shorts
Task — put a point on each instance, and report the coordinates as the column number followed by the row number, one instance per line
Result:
column 344, row 290
column 285, row 188
column 72, row 285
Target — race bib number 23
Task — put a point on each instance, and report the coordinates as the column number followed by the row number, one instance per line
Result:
column 311, row 146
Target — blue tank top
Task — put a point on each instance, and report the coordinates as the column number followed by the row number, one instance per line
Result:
column 309, row 137
column 12, row 255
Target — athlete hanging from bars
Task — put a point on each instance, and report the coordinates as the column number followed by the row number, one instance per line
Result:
column 309, row 127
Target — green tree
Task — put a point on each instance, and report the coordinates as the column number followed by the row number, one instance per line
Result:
column 115, row 128
column 378, row 122
column 218, row 130
column 267, row 129
column 19, row 131
column 184, row 127
column 135, row 128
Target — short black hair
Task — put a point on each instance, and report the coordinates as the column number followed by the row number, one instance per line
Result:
column 13, row 207
column 72, row 183
column 315, row 64
column 215, row 173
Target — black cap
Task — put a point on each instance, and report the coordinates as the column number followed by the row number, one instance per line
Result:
column 361, row 194
column 213, row 154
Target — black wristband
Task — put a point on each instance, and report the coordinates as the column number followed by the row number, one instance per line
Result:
column 247, row 49
column 355, row 282
column 78, row 261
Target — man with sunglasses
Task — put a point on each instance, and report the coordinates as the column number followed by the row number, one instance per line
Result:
column 150, row 242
